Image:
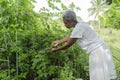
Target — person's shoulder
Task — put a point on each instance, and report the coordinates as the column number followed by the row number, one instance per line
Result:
column 81, row 24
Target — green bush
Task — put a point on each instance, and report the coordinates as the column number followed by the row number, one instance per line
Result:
column 25, row 46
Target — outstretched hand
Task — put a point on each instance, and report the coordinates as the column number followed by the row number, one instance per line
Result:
column 54, row 44
column 53, row 49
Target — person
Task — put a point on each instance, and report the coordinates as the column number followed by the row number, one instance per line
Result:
column 101, row 64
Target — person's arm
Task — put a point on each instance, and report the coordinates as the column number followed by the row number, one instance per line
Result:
column 55, row 43
column 69, row 43
column 63, row 40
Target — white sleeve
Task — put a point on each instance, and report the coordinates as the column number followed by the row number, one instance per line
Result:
column 77, row 32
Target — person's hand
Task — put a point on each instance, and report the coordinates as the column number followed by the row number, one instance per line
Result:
column 53, row 49
column 54, row 44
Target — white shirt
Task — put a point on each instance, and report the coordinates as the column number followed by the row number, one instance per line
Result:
column 88, row 40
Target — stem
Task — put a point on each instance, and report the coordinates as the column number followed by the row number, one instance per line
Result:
column 17, row 41
column 8, row 67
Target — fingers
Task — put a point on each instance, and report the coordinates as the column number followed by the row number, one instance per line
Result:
column 54, row 44
column 53, row 49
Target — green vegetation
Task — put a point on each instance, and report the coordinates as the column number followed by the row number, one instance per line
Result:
column 25, row 38
column 111, row 18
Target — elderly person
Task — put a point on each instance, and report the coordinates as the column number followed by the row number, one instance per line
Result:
column 101, row 65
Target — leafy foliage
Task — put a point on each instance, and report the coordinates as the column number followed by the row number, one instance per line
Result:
column 25, row 43
column 109, row 1
column 98, row 6
column 111, row 18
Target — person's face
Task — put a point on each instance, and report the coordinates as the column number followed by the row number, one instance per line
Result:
column 68, row 24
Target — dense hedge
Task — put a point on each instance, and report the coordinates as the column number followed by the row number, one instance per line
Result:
column 25, row 43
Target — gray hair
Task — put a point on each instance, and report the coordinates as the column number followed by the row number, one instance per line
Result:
column 69, row 15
